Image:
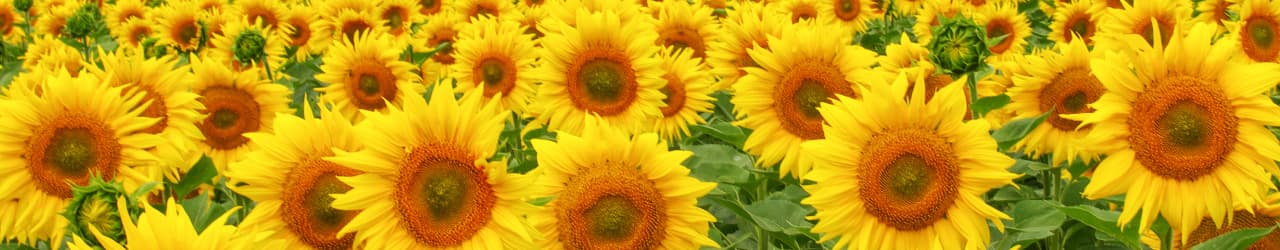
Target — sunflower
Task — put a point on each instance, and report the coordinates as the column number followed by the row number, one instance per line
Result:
column 1185, row 119
column 1076, row 18
column 63, row 131
column 618, row 192
column 1143, row 18
column 745, row 28
column 498, row 56
column 904, row 174
column 850, row 14
column 364, row 75
column 334, row 7
column 292, row 183
column 235, row 103
column 907, row 7
column 50, row 53
column 1004, row 20
column 798, row 10
column 1258, row 216
column 1215, row 11
column 430, row 7
column 688, row 92
column 348, row 23
column 530, row 17
column 1059, row 82
column 902, row 55
column 132, row 32
column 566, row 11
column 305, row 33
column 430, row 159
column 399, row 17
column 55, row 20
column 603, row 67
column 684, row 26
column 173, row 229
column 269, row 12
column 240, row 38
column 779, row 98
column 179, row 26
column 442, row 28
column 1256, row 30
column 214, row 22
column 124, row 10
column 10, row 17
column 206, row 5
column 931, row 16
column 165, row 87
column 470, row 9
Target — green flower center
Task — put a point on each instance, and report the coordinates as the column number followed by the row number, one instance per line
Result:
column 369, row 84
column 445, row 193
column 394, row 19
column 1184, row 125
column 1080, row 27
column 225, row 118
column 908, row 177
column 811, row 95
column 72, row 151
column 100, row 212
column 846, row 5
column 249, row 46
column 612, row 217
column 318, row 200
column 492, row 72
column 602, row 80
column 1262, row 32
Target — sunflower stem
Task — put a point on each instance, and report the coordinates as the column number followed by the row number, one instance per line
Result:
column 266, row 65
column 972, row 85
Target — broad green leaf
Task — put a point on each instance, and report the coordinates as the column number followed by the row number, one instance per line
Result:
column 986, row 104
column 15, row 246
column 1235, row 240
column 1036, row 216
column 1105, row 222
column 724, row 131
column 1027, row 167
column 202, row 172
column 1015, row 130
column 718, row 163
column 780, row 216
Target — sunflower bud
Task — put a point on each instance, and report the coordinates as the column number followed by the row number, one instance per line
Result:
column 250, row 47
column 959, row 45
column 94, row 206
column 83, row 22
column 22, row 5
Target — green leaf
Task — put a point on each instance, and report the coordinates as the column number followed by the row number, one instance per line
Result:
column 1105, row 222
column 1036, row 216
column 987, row 104
column 1026, row 167
column 718, row 163
column 202, row 172
column 15, row 246
column 1235, row 240
column 780, row 216
column 1015, row 130
column 724, row 131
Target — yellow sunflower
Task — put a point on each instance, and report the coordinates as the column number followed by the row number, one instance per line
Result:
column 165, row 87
column 364, row 75
column 498, row 56
column 745, row 28
column 239, row 36
column 334, row 7
column 1256, row 30
column 779, row 99
column 292, row 183
column 426, row 183
column 1185, row 119
column 907, row 174
column 305, row 32
column 124, row 10
column 613, row 191
column 688, row 92
column 179, row 26
column 1258, row 216
column 133, row 32
column 55, row 20
column 604, row 67
column 902, row 55
column 1059, row 82
column 798, row 10
column 849, row 14
column 173, row 229
column 430, row 7
column 567, row 11
column 684, row 26
column 907, row 7
column 10, row 17
column 235, row 103
column 1143, row 18
column 470, row 9
column 348, row 23
column 399, row 17
column 1004, row 20
column 63, row 131
column 268, row 12
column 530, row 17
column 1215, row 11
column 930, row 16
column 441, row 28
column 1076, row 18
column 46, row 51
column 205, row 5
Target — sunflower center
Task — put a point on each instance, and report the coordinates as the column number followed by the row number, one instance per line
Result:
column 393, row 17
column 443, row 36
column 68, row 149
column 262, row 13
column 301, row 32
column 1070, row 93
column 187, row 32
column 99, row 212
column 1148, row 30
column 998, row 28
column 443, row 199
column 908, row 178
column 429, row 7
column 155, row 109
column 352, row 27
column 372, row 85
column 1258, row 39
column 800, row 92
column 498, row 75
column 1182, row 128
column 610, row 206
column 6, row 22
column 601, row 80
column 848, row 10
column 1240, row 220
column 684, row 38
column 674, row 93
column 232, row 112
column 803, row 12
column 306, row 200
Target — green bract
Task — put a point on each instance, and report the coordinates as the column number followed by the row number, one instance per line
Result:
column 94, row 205
column 959, row 45
column 249, row 47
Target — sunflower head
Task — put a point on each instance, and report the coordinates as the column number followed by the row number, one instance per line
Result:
column 84, row 21
column 93, row 206
column 23, row 5
column 959, row 45
column 249, row 46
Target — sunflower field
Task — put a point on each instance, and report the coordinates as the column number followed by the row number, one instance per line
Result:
column 639, row 124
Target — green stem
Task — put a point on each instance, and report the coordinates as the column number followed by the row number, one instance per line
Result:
column 972, row 84
column 267, row 65
column 762, row 192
